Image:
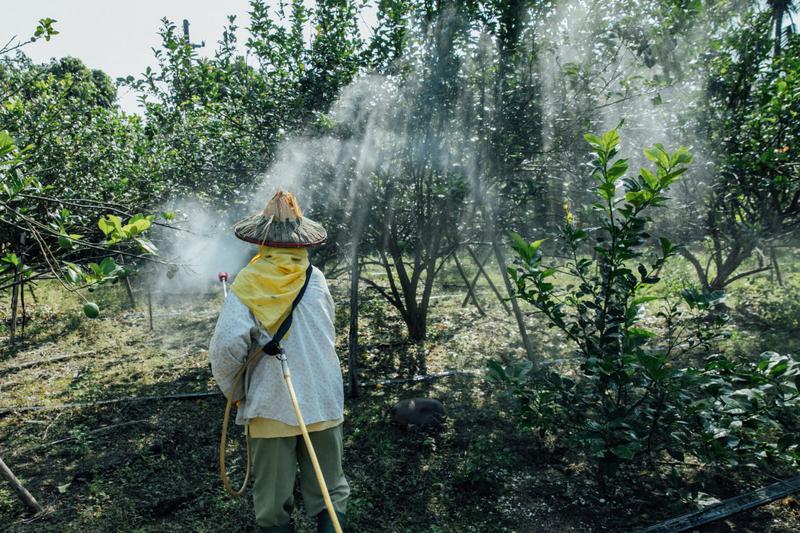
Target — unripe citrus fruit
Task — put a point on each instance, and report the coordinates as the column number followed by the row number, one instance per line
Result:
column 91, row 310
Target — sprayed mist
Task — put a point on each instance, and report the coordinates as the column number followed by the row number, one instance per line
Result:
column 372, row 134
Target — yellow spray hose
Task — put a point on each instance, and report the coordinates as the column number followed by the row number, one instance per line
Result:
column 287, row 376
column 226, row 482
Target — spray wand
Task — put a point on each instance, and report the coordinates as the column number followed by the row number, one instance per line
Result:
column 223, row 278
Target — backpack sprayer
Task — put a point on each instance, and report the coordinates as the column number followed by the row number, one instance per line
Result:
column 272, row 348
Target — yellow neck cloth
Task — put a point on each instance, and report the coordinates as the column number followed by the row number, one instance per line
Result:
column 270, row 283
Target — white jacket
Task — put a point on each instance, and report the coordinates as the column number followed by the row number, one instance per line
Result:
column 310, row 354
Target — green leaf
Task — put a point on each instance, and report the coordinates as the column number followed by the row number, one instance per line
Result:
column 535, row 245
column 606, row 191
column 666, row 246
column 636, row 198
column 788, row 439
column 6, row 142
column 619, row 168
column 519, row 244
column 657, row 155
column 107, row 266
column 73, row 273
column 610, row 140
column 496, row 371
column 64, row 242
column 593, row 140
column 681, row 156
column 649, row 178
column 146, row 245
column 105, row 225
column 624, row 452
column 12, row 259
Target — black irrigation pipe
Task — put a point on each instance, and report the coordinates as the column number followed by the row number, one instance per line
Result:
column 742, row 502
column 207, row 394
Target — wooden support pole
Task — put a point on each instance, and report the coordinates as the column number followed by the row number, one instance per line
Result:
column 128, row 284
column 442, row 262
column 22, row 278
column 501, row 261
column 14, row 299
column 22, row 301
column 469, row 288
column 352, row 341
column 21, row 491
column 481, row 270
column 477, row 274
column 774, row 259
column 150, row 305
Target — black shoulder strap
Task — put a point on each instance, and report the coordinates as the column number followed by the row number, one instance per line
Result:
column 273, row 346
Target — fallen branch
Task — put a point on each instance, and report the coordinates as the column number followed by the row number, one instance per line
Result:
column 21, row 491
column 43, row 362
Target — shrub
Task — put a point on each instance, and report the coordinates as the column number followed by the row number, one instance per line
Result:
column 636, row 393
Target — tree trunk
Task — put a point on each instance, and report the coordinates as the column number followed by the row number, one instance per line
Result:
column 416, row 322
column 777, row 13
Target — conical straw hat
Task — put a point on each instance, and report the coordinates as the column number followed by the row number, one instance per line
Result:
column 281, row 225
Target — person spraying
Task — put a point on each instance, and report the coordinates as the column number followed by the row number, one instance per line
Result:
column 278, row 314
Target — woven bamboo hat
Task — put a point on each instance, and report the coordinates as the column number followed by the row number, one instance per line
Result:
column 281, row 225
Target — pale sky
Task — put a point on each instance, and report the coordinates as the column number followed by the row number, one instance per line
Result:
column 118, row 36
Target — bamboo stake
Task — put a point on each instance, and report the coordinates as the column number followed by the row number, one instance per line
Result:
column 21, row 491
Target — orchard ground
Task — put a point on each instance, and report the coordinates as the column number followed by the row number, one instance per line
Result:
column 153, row 465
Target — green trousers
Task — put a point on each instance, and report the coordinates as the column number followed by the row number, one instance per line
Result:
column 275, row 464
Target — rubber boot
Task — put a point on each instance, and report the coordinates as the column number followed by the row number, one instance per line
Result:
column 288, row 528
column 325, row 525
